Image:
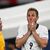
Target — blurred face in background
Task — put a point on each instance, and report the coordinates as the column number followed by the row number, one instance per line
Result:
column 0, row 25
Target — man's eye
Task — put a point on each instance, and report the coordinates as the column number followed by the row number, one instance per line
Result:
column 33, row 15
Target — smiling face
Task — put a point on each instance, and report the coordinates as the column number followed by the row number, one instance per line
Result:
column 32, row 16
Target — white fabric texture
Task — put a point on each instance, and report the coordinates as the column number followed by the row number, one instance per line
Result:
column 42, row 32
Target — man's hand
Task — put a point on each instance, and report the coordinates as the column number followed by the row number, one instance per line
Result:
column 33, row 26
column 29, row 27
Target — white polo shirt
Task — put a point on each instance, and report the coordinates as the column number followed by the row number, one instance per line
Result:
column 42, row 32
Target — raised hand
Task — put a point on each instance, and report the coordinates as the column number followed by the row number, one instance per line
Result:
column 33, row 26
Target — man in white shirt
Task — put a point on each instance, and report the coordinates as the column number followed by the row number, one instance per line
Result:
column 32, row 36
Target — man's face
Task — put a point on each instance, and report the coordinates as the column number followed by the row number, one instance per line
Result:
column 32, row 17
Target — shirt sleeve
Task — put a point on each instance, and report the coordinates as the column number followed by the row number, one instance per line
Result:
column 21, row 32
column 44, row 33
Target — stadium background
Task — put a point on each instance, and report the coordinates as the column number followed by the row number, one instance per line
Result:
column 10, row 10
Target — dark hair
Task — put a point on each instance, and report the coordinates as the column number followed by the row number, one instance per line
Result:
column 33, row 9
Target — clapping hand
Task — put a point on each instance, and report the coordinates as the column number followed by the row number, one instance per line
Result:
column 32, row 26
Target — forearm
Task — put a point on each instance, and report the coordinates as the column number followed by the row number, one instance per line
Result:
column 21, row 41
column 41, row 42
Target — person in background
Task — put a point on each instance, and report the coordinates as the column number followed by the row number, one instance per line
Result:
column 11, row 44
column 2, row 41
column 32, row 36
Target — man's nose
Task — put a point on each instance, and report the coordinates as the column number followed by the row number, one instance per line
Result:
column 31, row 18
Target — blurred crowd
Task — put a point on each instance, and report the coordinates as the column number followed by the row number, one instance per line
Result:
column 7, row 3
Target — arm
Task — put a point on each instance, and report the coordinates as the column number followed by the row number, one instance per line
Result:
column 41, row 41
column 20, row 42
